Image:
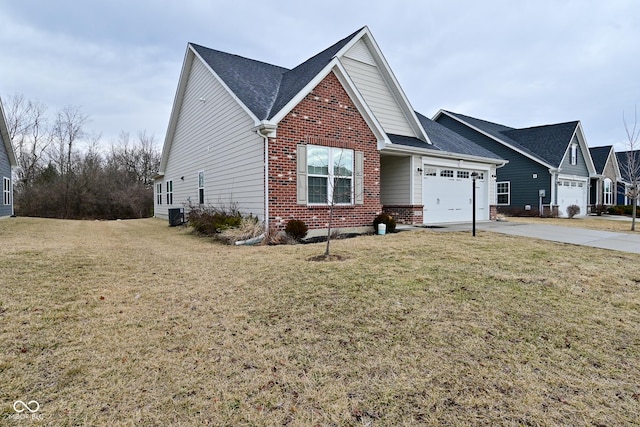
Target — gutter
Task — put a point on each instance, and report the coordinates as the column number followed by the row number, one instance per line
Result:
column 266, row 130
column 444, row 154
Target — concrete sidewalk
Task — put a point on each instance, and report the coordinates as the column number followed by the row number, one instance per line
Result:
column 622, row 242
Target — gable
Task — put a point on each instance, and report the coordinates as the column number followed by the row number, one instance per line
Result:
column 368, row 77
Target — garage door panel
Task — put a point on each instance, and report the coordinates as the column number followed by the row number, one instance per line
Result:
column 572, row 193
column 449, row 198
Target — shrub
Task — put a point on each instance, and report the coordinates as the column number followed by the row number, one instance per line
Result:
column 388, row 220
column 297, row 229
column 573, row 210
column 209, row 220
column 249, row 228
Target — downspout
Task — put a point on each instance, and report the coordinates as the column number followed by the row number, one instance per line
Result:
column 266, row 130
column 554, row 178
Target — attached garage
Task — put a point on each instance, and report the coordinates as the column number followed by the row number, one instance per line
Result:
column 447, row 195
column 572, row 192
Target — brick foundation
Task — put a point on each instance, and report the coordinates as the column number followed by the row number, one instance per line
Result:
column 328, row 117
column 405, row 214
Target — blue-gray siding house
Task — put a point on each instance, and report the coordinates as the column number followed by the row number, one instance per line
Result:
column 628, row 169
column 549, row 166
column 7, row 163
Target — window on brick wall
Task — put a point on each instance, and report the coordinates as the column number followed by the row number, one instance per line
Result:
column 329, row 175
column 608, row 192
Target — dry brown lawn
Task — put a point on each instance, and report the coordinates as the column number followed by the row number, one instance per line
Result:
column 135, row 323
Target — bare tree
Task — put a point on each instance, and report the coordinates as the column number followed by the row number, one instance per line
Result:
column 631, row 167
column 28, row 130
column 67, row 131
column 337, row 188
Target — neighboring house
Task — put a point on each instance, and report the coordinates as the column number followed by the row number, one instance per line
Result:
column 281, row 143
column 603, row 185
column 7, row 163
column 549, row 166
column 625, row 184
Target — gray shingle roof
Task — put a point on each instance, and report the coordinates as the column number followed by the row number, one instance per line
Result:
column 264, row 88
column 622, row 157
column 599, row 155
column 547, row 143
column 443, row 139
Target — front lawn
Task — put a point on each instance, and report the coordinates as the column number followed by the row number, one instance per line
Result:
column 135, row 323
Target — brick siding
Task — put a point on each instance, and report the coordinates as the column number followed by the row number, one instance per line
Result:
column 328, row 117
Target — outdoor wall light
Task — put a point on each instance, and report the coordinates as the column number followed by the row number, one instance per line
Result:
column 419, row 171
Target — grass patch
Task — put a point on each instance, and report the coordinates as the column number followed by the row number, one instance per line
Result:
column 591, row 223
column 136, row 323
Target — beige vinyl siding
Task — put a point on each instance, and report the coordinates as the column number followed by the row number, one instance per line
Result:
column 213, row 134
column 395, row 182
column 378, row 96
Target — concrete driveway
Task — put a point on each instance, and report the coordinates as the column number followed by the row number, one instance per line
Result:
column 623, row 242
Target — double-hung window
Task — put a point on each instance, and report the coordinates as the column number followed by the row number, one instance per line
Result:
column 503, row 191
column 159, row 193
column 169, row 192
column 6, row 191
column 329, row 175
column 201, row 187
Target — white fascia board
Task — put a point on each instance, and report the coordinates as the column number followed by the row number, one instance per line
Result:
column 401, row 149
column 585, row 148
column 189, row 57
column 612, row 155
column 388, row 75
column 177, row 101
column 224, row 85
column 13, row 161
column 336, row 67
column 488, row 135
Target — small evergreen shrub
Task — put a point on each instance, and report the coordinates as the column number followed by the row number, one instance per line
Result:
column 297, row 229
column 388, row 220
column 573, row 210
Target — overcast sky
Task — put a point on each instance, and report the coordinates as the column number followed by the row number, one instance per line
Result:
column 518, row 63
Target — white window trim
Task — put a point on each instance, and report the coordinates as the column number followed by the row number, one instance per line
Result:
column 331, row 176
column 169, row 192
column 607, row 196
column 201, row 186
column 508, row 193
column 6, row 191
column 573, row 154
column 159, row 194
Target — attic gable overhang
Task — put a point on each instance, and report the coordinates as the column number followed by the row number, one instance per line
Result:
column 338, row 69
column 616, row 165
column 579, row 135
column 403, row 102
column 428, row 152
column 190, row 56
column 13, row 161
column 498, row 140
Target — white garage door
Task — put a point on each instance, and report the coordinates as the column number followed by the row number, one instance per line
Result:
column 447, row 195
column 572, row 193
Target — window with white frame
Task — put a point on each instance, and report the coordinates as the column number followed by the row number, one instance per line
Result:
column 6, row 191
column 607, row 192
column 329, row 175
column 503, row 192
column 446, row 173
column 462, row 174
column 159, row 193
column 169, row 192
column 201, row 187
column 574, row 154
